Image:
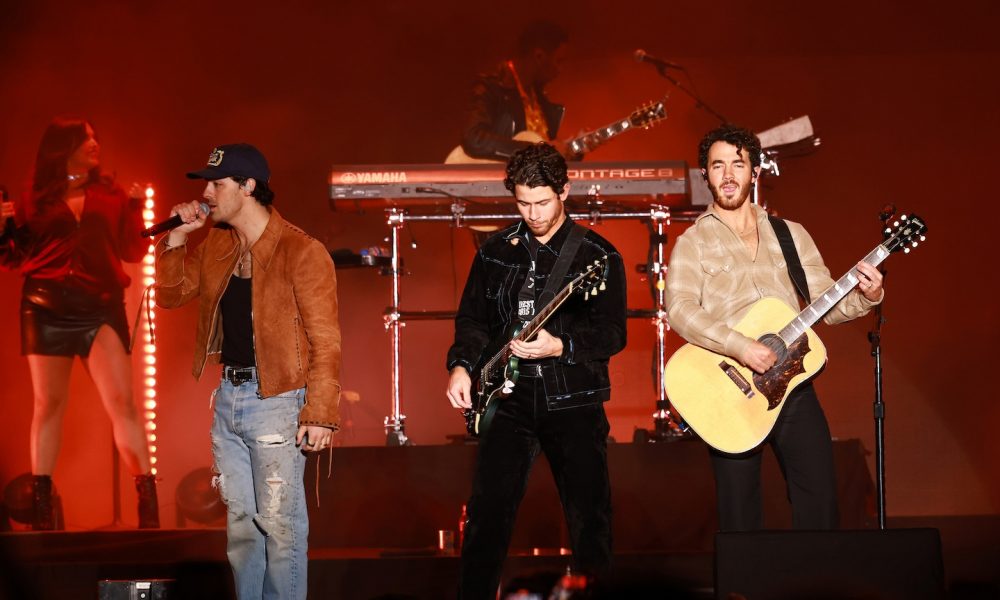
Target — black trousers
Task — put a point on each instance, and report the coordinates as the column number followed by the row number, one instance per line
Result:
column 802, row 445
column 574, row 441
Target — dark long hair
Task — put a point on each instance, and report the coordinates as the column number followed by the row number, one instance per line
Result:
column 61, row 139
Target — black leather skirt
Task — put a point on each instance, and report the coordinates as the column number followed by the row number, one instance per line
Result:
column 59, row 321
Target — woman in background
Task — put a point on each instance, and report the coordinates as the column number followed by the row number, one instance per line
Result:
column 68, row 239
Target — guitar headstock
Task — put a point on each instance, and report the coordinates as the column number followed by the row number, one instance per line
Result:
column 593, row 278
column 648, row 114
column 904, row 233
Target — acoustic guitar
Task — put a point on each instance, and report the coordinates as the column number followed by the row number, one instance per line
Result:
column 734, row 408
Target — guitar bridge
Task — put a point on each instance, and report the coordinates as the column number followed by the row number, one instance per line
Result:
column 737, row 378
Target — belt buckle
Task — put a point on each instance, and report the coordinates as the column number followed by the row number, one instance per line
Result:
column 239, row 376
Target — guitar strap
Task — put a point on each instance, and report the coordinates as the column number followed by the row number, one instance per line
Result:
column 795, row 271
column 559, row 270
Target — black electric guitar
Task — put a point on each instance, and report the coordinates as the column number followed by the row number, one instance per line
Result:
column 497, row 376
column 644, row 117
column 733, row 408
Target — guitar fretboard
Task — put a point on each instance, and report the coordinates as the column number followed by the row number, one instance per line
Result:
column 821, row 305
column 599, row 136
column 535, row 324
column 642, row 117
column 532, row 328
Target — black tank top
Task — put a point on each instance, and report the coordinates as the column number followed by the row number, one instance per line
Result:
column 237, row 324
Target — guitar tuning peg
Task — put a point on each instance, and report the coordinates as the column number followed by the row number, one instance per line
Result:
column 888, row 230
column 602, row 287
column 586, row 296
column 914, row 243
column 895, row 223
column 904, row 217
column 593, row 292
column 906, row 250
column 923, row 238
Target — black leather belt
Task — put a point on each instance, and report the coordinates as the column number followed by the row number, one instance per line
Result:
column 239, row 375
column 529, row 370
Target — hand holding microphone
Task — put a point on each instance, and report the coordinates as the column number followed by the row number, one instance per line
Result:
column 184, row 218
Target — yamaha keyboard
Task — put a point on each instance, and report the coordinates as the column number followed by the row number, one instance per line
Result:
column 436, row 187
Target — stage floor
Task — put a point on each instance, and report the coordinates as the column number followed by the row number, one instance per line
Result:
column 662, row 496
column 374, row 532
column 70, row 564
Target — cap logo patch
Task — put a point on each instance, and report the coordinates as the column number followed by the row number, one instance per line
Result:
column 215, row 158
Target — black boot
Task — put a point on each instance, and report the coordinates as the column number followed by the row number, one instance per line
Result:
column 43, row 517
column 149, row 508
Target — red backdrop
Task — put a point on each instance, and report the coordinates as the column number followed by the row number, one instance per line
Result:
column 903, row 99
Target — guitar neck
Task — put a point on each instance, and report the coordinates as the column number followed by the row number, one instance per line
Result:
column 822, row 305
column 534, row 325
column 590, row 140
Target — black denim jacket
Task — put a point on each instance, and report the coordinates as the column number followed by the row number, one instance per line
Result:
column 495, row 113
column 591, row 330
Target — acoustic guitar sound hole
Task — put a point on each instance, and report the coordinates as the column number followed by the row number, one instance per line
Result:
column 774, row 343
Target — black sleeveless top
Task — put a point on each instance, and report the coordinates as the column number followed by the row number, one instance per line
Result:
column 237, row 324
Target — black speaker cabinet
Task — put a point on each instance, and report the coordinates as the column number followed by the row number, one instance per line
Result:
column 138, row 589
column 865, row 564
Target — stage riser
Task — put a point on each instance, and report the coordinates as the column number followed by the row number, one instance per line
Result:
column 70, row 564
column 900, row 564
column 663, row 497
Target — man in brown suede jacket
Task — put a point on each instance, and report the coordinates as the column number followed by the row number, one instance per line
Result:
column 268, row 312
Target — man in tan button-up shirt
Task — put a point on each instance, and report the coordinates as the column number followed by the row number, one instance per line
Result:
column 725, row 262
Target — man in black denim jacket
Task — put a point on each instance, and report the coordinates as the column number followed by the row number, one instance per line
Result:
column 557, row 403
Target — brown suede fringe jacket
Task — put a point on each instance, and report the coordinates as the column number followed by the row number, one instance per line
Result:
column 294, row 294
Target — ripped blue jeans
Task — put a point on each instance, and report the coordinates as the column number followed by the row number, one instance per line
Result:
column 260, row 478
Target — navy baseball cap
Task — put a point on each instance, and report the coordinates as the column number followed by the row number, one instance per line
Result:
column 234, row 160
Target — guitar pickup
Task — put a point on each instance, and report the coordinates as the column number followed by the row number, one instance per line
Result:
column 737, row 378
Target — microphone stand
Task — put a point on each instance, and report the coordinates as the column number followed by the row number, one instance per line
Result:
column 875, row 339
column 699, row 103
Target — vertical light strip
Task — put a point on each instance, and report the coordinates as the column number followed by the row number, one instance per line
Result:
column 147, row 323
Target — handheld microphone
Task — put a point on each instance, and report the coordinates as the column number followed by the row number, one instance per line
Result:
column 171, row 223
column 641, row 56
